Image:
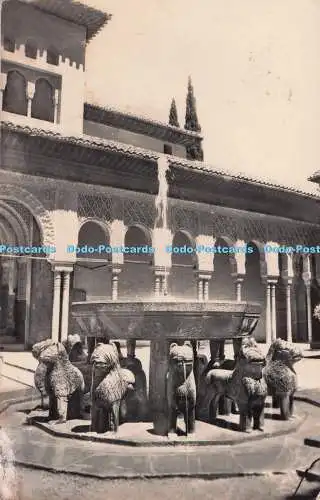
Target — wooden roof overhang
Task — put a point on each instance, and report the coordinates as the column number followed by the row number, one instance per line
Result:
column 76, row 12
column 140, row 125
column 103, row 162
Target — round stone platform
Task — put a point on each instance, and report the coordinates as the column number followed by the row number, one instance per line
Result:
column 251, row 453
column 140, row 434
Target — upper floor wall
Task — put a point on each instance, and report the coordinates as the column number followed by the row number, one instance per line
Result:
column 42, row 67
column 132, row 138
column 142, row 132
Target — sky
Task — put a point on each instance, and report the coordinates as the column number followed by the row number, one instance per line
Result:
column 255, row 71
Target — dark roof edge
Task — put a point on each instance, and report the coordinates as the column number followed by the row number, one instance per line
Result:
column 87, row 141
column 76, row 12
column 137, row 123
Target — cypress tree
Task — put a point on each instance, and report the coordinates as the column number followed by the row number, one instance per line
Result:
column 195, row 151
column 173, row 115
column 191, row 122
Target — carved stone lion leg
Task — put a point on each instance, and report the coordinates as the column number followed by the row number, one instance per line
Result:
column 258, row 416
column 94, row 417
column 291, row 404
column 214, row 407
column 285, row 407
column 75, row 405
column 62, row 405
column 275, row 401
column 172, row 419
column 245, row 418
column 190, row 421
column 115, row 414
column 53, row 408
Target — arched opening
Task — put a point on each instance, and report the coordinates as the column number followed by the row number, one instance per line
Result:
column 15, row 94
column 9, row 44
column 92, row 280
column 253, row 288
column 43, row 101
column 182, row 280
column 300, row 332
column 26, row 289
column 52, row 56
column 221, row 285
column 31, row 49
column 136, row 278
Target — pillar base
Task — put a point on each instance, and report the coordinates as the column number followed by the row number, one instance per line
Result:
column 159, row 365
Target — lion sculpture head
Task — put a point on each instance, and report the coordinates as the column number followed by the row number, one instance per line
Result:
column 41, row 346
column 288, row 353
column 181, row 358
column 105, row 356
column 53, row 354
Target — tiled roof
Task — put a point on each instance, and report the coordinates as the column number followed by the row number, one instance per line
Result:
column 107, row 145
column 139, row 124
column 73, row 11
column 315, row 177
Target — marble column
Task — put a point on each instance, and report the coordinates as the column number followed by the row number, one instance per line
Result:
column 273, row 311
column 206, row 289
column 238, row 288
column 288, row 310
column 309, row 310
column 8, row 278
column 159, row 366
column 200, row 288
column 268, row 313
column 65, row 305
column 30, row 95
column 55, row 326
column 115, row 271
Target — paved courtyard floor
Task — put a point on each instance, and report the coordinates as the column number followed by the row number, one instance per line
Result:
column 40, row 485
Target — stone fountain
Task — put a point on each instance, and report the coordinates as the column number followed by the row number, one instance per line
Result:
column 162, row 320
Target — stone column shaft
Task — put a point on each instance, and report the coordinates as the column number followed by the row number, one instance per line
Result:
column 56, row 306
column 268, row 313
column 273, row 312
column 65, row 305
column 289, row 312
column 200, row 288
column 309, row 312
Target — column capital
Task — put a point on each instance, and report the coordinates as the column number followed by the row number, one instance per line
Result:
column 160, row 271
column 203, row 275
column 61, row 268
column 288, row 281
column 116, row 268
column 238, row 278
column 271, row 280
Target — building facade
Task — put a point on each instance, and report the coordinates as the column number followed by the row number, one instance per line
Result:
column 74, row 174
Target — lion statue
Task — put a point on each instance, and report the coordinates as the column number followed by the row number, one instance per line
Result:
column 63, row 382
column 181, row 386
column 110, row 385
column 136, row 402
column 244, row 385
column 280, row 375
column 75, row 349
column 41, row 370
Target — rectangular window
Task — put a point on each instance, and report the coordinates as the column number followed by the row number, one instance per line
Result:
column 167, row 149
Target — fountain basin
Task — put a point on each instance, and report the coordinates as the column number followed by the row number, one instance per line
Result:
column 155, row 320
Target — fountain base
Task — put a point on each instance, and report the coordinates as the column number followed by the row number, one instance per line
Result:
column 141, row 434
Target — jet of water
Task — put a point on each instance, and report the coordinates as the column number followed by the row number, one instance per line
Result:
column 8, row 481
column 161, row 201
